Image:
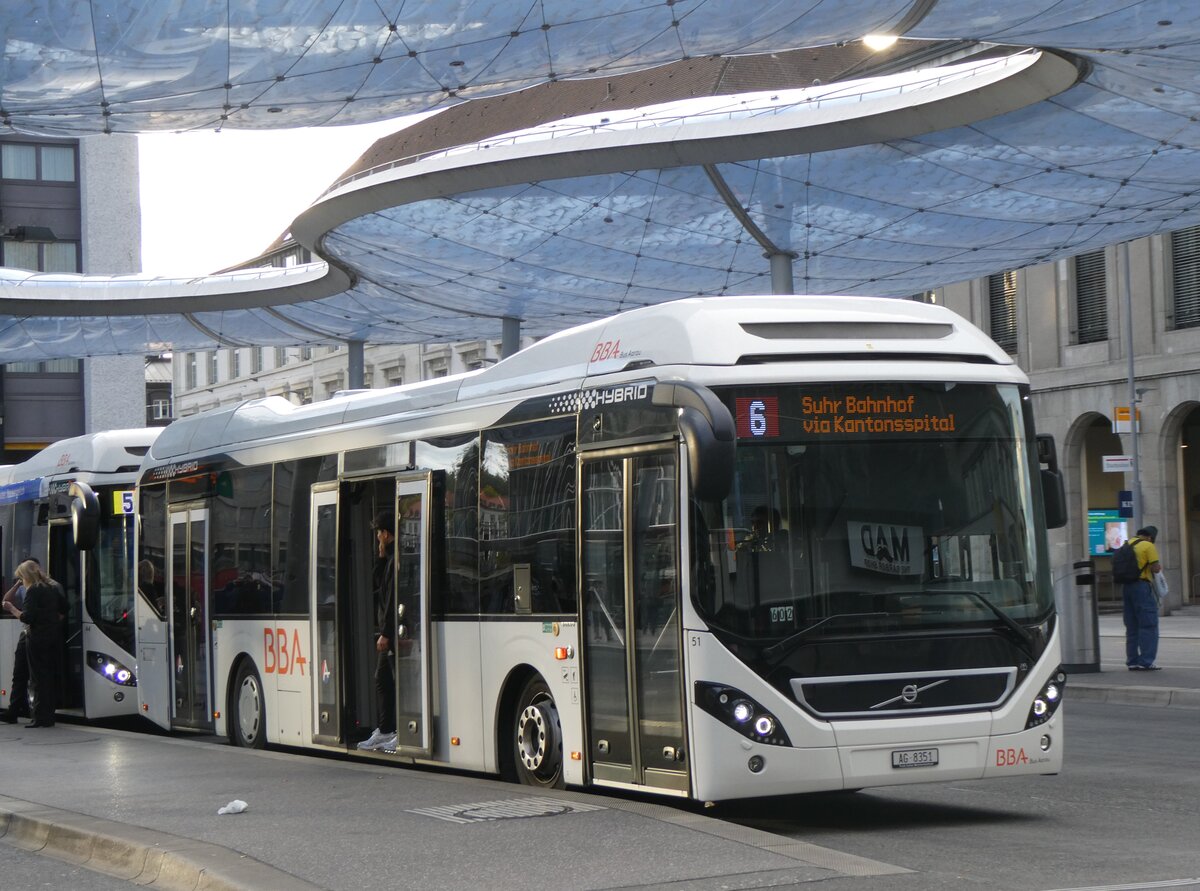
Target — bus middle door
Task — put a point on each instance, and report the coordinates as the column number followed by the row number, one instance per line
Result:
column 631, row 628
column 414, row 730
column 322, row 587
column 187, row 613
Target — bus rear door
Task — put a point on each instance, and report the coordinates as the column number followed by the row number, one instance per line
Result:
column 187, row 611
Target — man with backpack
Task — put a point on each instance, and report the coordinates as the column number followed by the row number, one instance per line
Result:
column 1134, row 565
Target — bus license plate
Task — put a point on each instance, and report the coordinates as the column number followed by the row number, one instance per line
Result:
column 915, row 758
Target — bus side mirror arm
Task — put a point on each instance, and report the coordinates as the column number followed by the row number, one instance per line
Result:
column 710, row 434
column 85, row 516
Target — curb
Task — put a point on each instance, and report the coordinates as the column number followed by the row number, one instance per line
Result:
column 1163, row 697
column 141, row 856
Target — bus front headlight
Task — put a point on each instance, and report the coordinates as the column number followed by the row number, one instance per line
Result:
column 111, row 669
column 1049, row 698
column 735, row 709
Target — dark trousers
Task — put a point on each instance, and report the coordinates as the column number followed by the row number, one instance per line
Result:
column 45, row 667
column 1141, row 623
column 18, row 700
column 385, row 693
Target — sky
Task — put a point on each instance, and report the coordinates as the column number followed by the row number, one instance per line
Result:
column 211, row 200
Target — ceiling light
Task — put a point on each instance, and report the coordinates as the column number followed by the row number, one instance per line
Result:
column 879, row 42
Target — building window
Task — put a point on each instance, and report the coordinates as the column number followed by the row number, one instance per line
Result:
column 235, row 364
column 1185, row 268
column 189, row 371
column 1002, row 309
column 46, row 366
column 58, row 163
column 21, row 255
column 256, row 360
column 212, row 367
column 60, row 256
column 56, row 256
column 281, row 356
column 306, row 353
column 393, row 376
column 18, row 161
column 160, row 409
column 1091, row 298
column 48, row 163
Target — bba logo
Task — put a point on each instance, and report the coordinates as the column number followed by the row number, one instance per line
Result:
column 1011, row 757
column 278, row 657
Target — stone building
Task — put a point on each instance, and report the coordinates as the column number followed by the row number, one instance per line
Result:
column 69, row 205
column 1067, row 325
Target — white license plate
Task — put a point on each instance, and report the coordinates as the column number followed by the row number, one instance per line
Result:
column 914, row 758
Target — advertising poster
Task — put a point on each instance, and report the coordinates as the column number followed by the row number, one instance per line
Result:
column 1107, row 531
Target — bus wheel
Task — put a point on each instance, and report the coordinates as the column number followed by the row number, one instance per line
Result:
column 248, row 721
column 537, row 735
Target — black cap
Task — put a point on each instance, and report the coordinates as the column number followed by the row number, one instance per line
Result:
column 1151, row 532
column 384, row 520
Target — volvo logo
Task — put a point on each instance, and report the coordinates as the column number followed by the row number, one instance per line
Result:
column 909, row 693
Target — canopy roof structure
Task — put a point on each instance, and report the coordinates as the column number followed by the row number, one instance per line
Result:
column 883, row 186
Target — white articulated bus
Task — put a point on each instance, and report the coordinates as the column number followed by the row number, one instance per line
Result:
column 71, row 506
column 721, row 547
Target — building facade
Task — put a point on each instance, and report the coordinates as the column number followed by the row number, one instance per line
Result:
column 206, row 380
column 1068, row 325
column 69, row 205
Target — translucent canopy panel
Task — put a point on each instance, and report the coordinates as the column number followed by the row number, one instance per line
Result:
column 884, row 188
column 75, row 66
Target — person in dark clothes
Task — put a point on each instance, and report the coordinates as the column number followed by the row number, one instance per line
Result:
column 44, row 611
column 383, row 738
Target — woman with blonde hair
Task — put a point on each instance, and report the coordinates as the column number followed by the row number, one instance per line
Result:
column 44, row 611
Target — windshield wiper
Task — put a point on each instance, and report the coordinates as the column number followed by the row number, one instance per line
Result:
column 1021, row 632
column 777, row 651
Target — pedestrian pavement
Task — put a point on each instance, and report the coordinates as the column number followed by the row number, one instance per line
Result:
column 1177, row 685
column 144, row 807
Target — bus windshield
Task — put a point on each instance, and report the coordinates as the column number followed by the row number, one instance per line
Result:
column 874, row 507
column 110, row 581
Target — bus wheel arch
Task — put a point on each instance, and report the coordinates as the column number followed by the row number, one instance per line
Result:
column 247, row 707
column 529, row 732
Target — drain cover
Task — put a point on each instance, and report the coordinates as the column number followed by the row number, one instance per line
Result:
column 512, row 809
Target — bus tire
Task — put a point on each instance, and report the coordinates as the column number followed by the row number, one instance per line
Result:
column 248, row 712
column 536, row 735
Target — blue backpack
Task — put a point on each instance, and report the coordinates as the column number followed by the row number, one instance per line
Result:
column 1125, row 565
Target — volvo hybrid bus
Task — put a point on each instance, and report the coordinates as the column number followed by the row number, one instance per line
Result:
column 71, row 506
column 718, row 548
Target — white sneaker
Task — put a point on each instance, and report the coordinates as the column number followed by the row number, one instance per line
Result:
column 372, row 741
column 387, row 744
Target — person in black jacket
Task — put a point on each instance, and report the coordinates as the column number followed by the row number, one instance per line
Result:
column 383, row 738
column 44, row 611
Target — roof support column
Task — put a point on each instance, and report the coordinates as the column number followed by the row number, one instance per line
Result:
column 510, row 338
column 354, row 365
column 782, row 280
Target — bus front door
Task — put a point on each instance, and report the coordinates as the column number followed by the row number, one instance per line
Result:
column 322, row 586
column 631, row 632
column 63, row 567
column 187, row 605
column 412, row 641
